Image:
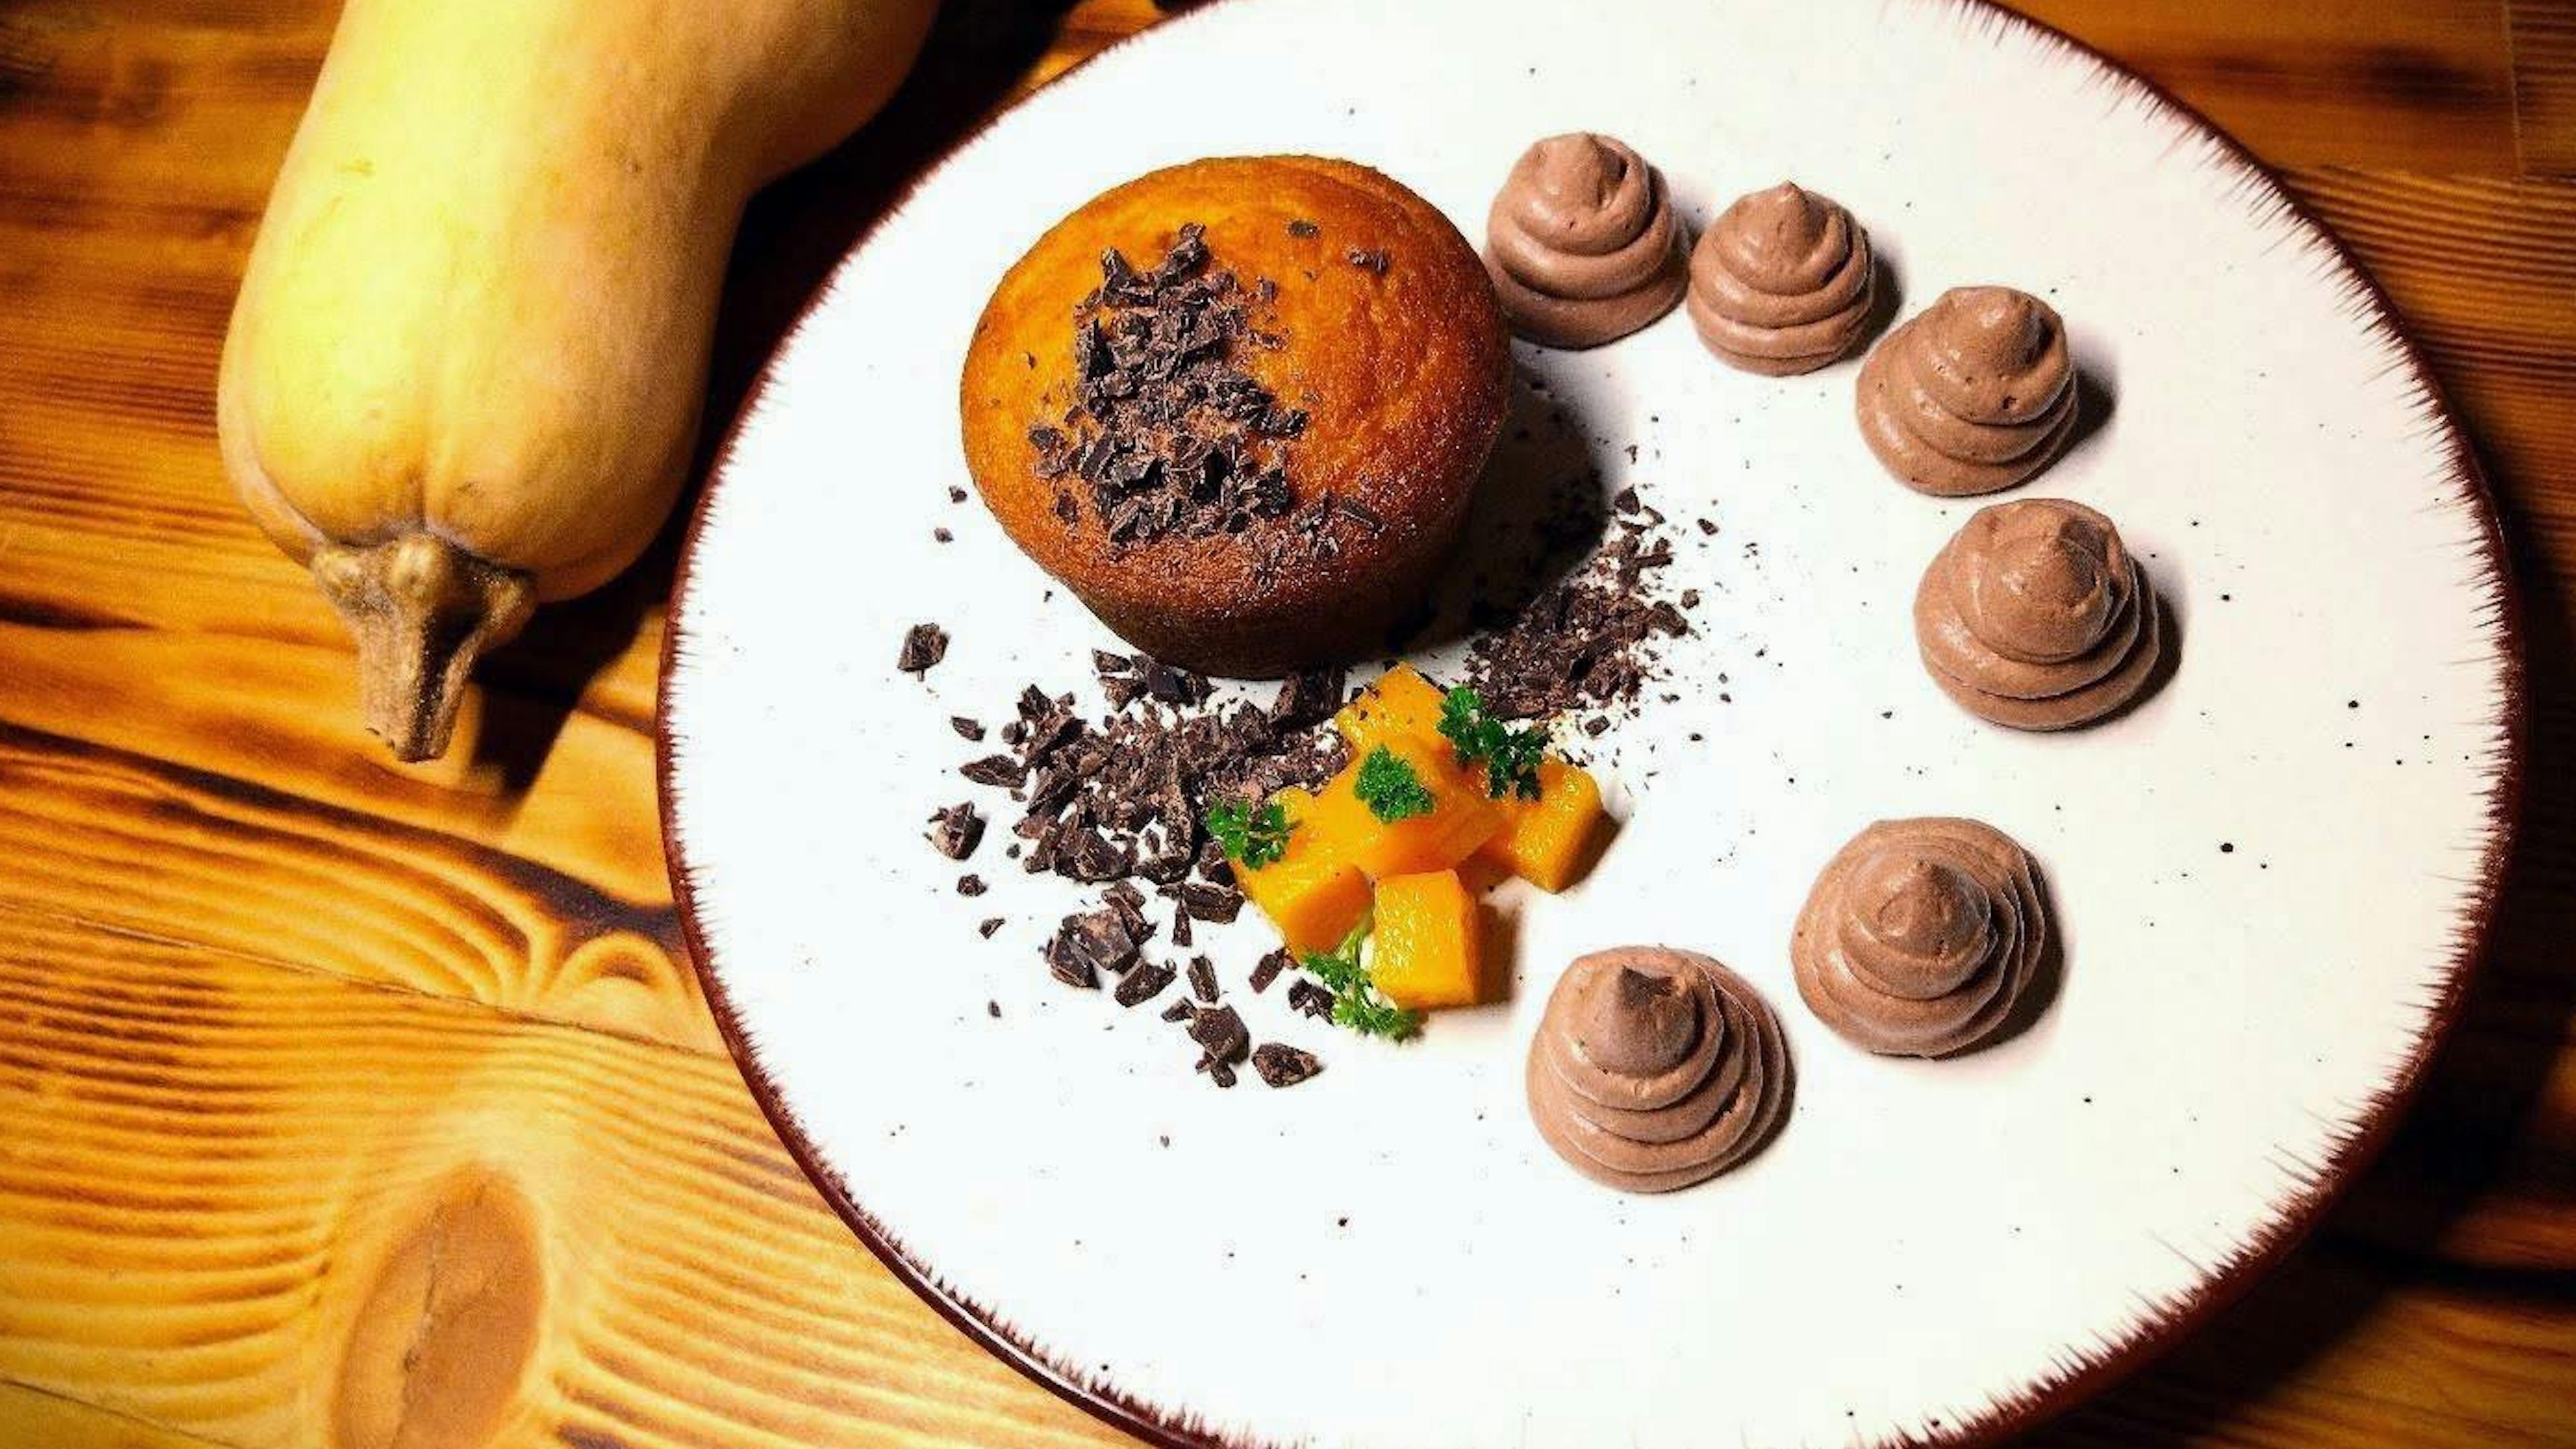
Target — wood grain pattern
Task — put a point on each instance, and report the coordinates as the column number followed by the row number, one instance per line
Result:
column 351, row 1104
column 2543, row 37
column 273, row 1207
column 31, row 1416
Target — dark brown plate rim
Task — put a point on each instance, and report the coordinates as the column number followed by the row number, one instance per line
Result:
column 2008, row 1416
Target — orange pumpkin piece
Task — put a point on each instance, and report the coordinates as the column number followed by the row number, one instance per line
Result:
column 1460, row 820
column 1313, row 896
column 1426, row 949
column 1547, row 841
column 1402, row 702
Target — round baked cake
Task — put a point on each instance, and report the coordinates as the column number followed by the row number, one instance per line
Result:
column 1239, row 407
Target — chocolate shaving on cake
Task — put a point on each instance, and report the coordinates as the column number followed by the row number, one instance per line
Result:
column 1584, row 642
column 956, row 830
column 1267, row 969
column 986, row 927
column 967, row 729
column 1282, row 1065
column 1302, row 229
column 1367, row 260
column 1203, row 978
column 923, row 646
column 970, row 885
column 1167, row 435
column 1179, row 1010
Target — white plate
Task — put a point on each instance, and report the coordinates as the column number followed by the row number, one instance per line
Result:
column 2270, row 877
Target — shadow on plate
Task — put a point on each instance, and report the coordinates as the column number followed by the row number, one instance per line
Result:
column 1538, row 514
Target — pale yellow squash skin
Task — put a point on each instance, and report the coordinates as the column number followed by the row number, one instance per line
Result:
column 466, row 366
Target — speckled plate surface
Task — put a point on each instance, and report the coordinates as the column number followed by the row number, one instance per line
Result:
column 2270, row 877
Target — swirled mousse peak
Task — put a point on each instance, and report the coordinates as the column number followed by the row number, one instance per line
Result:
column 1782, row 282
column 1583, row 243
column 2036, row 616
column 1921, row 936
column 1654, row 1069
column 1974, row 394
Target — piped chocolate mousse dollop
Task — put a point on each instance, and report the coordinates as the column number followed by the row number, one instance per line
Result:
column 1655, row 1069
column 1973, row 394
column 1782, row 282
column 1920, row 936
column 2034, row 615
column 1583, row 243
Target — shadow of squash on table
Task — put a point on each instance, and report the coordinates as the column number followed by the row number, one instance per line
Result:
column 793, row 233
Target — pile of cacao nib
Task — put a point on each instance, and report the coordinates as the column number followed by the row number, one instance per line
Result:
column 1120, row 803
column 1583, row 642
column 1167, row 434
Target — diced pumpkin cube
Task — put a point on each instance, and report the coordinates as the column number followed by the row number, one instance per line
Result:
column 1426, row 946
column 1547, row 841
column 1461, row 818
column 1402, row 702
column 1313, row 896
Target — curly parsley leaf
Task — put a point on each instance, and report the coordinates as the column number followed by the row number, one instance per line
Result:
column 1250, row 835
column 1390, row 789
column 1511, row 757
column 1356, row 1002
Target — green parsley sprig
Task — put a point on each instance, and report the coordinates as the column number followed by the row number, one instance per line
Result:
column 1511, row 757
column 1356, row 1001
column 1252, row 836
column 1390, row 789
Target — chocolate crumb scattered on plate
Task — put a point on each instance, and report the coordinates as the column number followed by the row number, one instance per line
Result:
column 1282, row 1065
column 924, row 645
column 956, row 830
column 1144, row 983
column 1220, row 1032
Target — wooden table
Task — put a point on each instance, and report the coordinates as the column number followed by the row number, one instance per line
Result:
column 349, row 1104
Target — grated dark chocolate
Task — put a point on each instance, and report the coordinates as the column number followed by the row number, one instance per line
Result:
column 1281, row 1065
column 1167, row 435
column 1585, row 641
column 924, row 645
column 956, row 830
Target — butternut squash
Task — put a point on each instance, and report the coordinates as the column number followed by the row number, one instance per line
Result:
column 1461, row 818
column 1311, row 894
column 465, row 369
column 1427, row 949
column 1402, row 702
column 1548, row 841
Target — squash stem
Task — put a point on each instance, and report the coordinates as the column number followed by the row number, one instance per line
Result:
column 422, row 611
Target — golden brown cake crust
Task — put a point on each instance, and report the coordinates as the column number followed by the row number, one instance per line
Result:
column 1403, row 372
